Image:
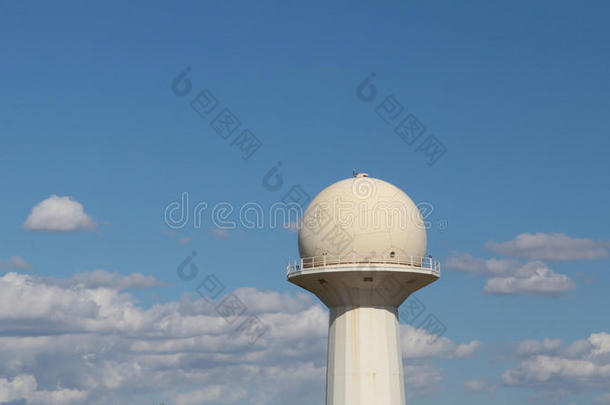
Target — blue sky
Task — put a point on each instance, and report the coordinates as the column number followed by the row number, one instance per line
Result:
column 517, row 93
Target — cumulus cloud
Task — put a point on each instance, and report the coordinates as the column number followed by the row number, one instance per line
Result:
column 418, row 348
column 15, row 263
column 551, row 246
column 534, row 278
column 474, row 385
column 418, row 343
column 81, row 340
column 546, row 365
column 479, row 386
column 422, row 380
column 511, row 276
column 98, row 341
column 531, row 347
column 24, row 386
column 59, row 214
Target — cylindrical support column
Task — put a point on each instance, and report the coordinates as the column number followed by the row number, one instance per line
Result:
column 364, row 357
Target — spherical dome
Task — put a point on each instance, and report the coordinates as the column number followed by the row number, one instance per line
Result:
column 362, row 217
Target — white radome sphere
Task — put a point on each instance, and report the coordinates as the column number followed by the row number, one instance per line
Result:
column 362, row 217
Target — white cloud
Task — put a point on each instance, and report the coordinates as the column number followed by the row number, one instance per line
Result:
column 422, row 380
column 512, row 277
column 17, row 388
column 531, row 346
column 419, row 347
column 83, row 340
column 58, row 214
column 551, row 246
column 474, row 385
column 548, row 369
column 479, row 386
column 24, row 386
column 585, row 364
column 467, row 350
column 534, row 278
column 15, row 263
column 418, row 343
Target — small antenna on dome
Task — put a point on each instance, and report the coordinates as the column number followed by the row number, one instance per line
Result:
column 357, row 174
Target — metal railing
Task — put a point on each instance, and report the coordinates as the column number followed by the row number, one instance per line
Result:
column 329, row 260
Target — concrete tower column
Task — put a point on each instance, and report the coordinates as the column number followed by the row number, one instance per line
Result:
column 364, row 357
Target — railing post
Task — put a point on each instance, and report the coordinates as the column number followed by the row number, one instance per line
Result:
column 324, row 260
